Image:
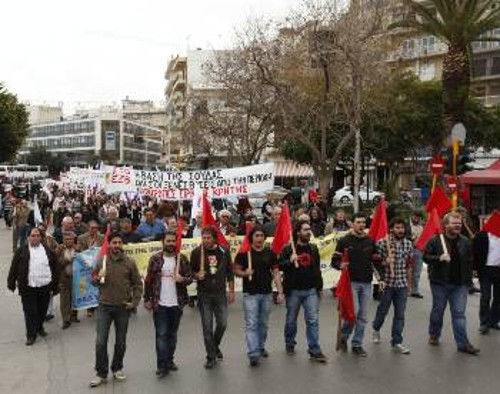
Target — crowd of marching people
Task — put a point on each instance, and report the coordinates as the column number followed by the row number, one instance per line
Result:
column 288, row 271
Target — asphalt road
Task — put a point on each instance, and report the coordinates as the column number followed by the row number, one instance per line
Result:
column 63, row 362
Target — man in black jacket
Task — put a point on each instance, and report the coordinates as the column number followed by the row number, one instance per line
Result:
column 34, row 271
column 213, row 270
column 302, row 285
column 362, row 253
column 449, row 260
column 487, row 265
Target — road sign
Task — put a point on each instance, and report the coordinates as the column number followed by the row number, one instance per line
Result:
column 436, row 165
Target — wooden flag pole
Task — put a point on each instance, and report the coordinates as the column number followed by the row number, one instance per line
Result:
column 202, row 260
column 443, row 243
column 390, row 254
column 434, row 181
column 294, row 250
column 249, row 256
column 103, row 269
column 339, row 326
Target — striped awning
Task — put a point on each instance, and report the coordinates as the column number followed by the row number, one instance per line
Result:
column 291, row 169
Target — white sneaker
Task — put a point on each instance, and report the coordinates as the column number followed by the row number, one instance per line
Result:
column 401, row 349
column 97, row 381
column 119, row 375
column 376, row 336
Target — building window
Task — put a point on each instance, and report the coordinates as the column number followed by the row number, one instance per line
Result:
column 479, row 67
column 409, row 48
column 495, row 66
column 427, row 72
column 429, row 44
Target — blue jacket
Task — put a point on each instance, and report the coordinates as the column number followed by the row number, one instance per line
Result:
column 148, row 232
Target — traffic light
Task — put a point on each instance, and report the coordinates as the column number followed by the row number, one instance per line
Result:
column 464, row 161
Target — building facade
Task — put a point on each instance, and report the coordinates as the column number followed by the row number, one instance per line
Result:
column 132, row 134
column 189, row 90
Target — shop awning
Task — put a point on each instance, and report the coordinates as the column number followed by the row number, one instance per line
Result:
column 489, row 176
column 291, row 169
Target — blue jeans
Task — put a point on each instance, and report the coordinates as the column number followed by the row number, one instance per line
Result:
column 107, row 314
column 166, row 320
column 417, row 270
column 361, row 293
column 396, row 296
column 457, row 297
column 257, row 308
column 310, row 302
column 213, row 306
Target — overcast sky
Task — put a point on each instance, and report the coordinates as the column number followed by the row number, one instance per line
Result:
column 102, row 50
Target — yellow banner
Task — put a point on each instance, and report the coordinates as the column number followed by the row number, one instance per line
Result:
column 141, row 253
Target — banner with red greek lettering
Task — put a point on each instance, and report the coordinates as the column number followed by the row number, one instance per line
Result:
column 219, row 183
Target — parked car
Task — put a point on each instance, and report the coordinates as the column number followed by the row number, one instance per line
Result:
column 344, row 195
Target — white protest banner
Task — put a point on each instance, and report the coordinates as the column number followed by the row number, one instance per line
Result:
column 79, row 178
column 219, row 183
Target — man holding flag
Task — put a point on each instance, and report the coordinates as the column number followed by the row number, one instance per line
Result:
column 257, row 265
column 362, row 253
column 165, row 293
column 302, row 283
column 449, row 260
column 120, row 291
column 212, row 268
column 487, row 266
column 398, row 252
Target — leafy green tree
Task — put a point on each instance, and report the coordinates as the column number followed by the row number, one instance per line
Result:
column 458, row 23
column 409, row 121
column 13, row 124
column 39, row 156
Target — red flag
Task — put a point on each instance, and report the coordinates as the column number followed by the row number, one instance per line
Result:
column 431, row 228
column 283, row 230
column 379, row 228
column 344, row 294
column 178, row 236
column 209, row 220
column 246, row 244
column 103, row 252
column 440, row 201
column 492, row 225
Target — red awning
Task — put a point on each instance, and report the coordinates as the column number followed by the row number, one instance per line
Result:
column 489, row 176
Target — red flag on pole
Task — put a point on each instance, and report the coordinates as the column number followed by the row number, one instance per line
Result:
column 178, row 235
column 492, row 225
column 283, row 231
column 246, row 244
column 103, row 252
column 343, row 292
column 440, row 201
column 209, row 220
column 431, row 228
column 379, row 228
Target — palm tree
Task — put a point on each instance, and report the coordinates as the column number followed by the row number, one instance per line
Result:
column 458, row 23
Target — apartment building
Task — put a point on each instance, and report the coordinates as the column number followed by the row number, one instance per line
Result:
column 423, row 54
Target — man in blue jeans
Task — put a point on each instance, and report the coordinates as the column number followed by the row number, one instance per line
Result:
column 257, row 291
column 362, row 254
column 302, row 285
column 120, row 291
column 165, row 293
column 449, row 260
column 394, row 287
